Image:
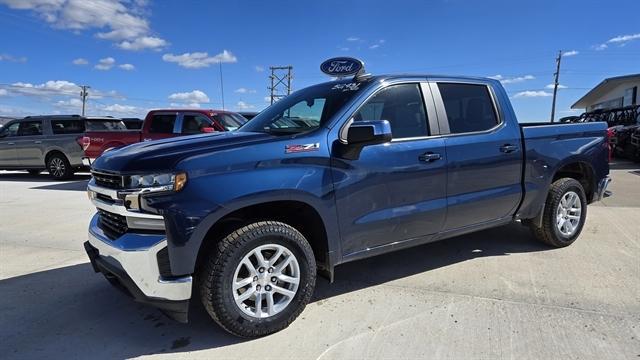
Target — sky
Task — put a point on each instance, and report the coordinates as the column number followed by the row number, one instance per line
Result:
column 141, row 54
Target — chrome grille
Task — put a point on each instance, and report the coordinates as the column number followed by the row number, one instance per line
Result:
column 113, row 225
column 110, row 181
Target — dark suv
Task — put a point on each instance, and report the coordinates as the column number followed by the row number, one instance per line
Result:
column 50, row 143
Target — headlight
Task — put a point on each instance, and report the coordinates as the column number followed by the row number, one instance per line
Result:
column 158, row 182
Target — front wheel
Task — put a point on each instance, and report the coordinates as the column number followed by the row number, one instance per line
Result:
column 565, row 212
column 258, row 279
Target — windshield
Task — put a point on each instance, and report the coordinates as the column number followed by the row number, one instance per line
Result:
column 105, row 125
column 305, row 110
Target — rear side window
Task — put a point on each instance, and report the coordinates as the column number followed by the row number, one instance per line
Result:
column 30, row 128
column 105, row 125
column 469, row 107
column 402, row 106
column 162, row 123
column 231, row 121
column 193, row 123
column 67, row 126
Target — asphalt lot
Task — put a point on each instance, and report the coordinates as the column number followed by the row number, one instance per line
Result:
column 493, row 294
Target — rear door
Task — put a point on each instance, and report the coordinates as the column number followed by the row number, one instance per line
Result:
column 162, row 125
column 8, row 135
column 29, row 144
column 484, row 168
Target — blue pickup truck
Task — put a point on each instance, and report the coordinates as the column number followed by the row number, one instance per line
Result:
column 352, row 168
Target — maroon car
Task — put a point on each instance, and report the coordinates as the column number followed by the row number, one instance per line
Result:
column 159, row 124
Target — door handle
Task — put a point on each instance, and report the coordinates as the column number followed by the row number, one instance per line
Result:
column 508, row 148
column 37, row 142
column 429, row 157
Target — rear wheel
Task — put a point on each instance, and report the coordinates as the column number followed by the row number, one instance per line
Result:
column 565, row 212
column 59, row 167
column 258, row 279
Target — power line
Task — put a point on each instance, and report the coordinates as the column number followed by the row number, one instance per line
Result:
column 83, row 95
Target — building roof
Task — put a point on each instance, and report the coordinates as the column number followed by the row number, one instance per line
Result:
column 604, row 86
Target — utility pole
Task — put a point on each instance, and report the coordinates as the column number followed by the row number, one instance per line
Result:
column 83, row 96
column 221, row 85
column 555, row 85
column 280, row 82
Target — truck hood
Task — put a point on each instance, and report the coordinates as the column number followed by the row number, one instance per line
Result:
column 163, row 155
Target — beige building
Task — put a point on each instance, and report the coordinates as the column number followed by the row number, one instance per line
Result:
column 614, row 92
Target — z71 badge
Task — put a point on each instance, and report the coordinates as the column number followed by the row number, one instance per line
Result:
column 289, row 149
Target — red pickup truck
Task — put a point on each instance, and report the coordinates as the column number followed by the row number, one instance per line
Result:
column 160, row 124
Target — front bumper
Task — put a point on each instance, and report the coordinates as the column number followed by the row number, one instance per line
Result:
column 131, row 263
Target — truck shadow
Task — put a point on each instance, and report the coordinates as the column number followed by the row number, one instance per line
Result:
column 42, row 177
column 73, row 312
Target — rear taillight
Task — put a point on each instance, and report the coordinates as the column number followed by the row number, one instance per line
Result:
column 610, row 135
column 84, row 142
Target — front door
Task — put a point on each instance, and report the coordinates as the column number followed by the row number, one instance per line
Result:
column 29, row 147
column 162, row 126
column 8, row 135
column 393, row 192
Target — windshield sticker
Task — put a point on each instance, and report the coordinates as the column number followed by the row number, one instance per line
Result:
column 290, row 149
column 346, row 87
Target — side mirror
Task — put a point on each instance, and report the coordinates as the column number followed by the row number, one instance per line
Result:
column 372, row 132
column 207, row 130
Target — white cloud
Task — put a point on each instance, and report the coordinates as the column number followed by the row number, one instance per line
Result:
column 144, row 42
column 3, row 92
column 119, row 21
column 374, row 46
column 513, row 80
column 53, row 88
column 353, row 38
column 105, row 64
column 122, row 109
column 127, row 67
column 560, row 86
column 571, row 53
column 192, row 99
column 259, row 68
column 599, row 47
column 199, row 59
column 530, row 93
column 80, row 61
column 344, row 48
column 245, row 91
column 11, row 58
column 624, row 38
column 267, row 99
column 241, row 105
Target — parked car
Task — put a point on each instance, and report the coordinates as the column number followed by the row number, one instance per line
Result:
column 161, row 124
column 248, row 114
column 132, row 123
column 49, row 142
column 335, row 172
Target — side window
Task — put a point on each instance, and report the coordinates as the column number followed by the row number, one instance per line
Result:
column 232, row 121
column 11, row 130
column 469, row 107
column 193, row 123
column 67, row 126
column 402, row 106
column 162, row 123
column 30, row 128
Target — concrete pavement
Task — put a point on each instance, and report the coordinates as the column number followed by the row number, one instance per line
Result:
column 493, row 294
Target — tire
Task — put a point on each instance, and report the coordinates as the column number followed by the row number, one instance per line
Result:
column 59, row 167
column 225, row 265
column 552, row 232
column 34, row 172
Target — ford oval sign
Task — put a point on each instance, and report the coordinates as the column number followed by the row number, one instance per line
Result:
column 342, row 66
